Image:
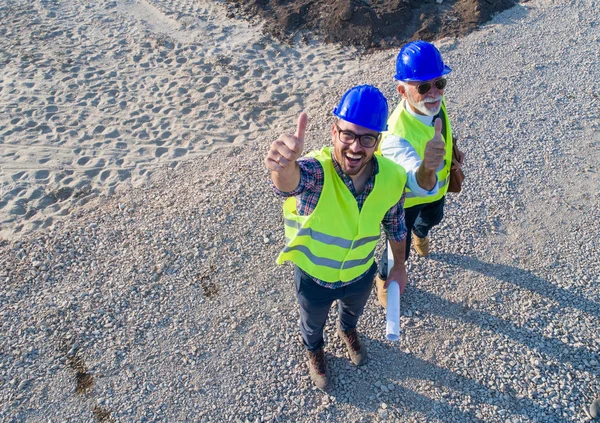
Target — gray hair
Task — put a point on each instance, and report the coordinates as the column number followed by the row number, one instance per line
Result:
column 401, row 83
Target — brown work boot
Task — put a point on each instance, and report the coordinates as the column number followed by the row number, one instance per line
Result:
column 318, row 369
column 358, row 353
column 421, row 245
column 381, row 291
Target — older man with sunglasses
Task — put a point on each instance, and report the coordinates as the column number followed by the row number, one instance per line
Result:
column 419, row 138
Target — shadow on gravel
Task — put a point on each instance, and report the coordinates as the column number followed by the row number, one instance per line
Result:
column 535, row 341
column 410, row 401
column 417, row 369
column 410, row 367
column 523, row 279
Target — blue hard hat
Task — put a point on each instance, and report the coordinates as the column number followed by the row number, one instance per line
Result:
column 364, row 105
column 420, row 61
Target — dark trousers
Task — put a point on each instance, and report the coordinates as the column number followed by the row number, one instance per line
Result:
column 315, row 301
column 418, row 219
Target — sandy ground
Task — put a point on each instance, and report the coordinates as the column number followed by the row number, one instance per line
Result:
column 137, row 265
column 97, row 95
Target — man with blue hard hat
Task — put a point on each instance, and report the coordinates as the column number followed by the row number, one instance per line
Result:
column 419, row 138
column 337, row 198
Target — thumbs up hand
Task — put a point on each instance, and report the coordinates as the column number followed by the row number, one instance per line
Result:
column 435, row 150
column 288, row 148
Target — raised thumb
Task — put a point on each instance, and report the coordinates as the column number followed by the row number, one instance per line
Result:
column 438, row 126
column 301, row 129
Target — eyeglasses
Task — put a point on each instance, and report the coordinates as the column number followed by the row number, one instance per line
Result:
column 348, row 137
column 440, row 84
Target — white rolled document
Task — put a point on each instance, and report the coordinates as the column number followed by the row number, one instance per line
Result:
column 393, row 303
column 393, row 311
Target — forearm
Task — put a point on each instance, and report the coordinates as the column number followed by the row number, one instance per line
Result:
column 426, row 178
column 399, row 253
column 287, row 179
column 418, row 190
column 397, row 272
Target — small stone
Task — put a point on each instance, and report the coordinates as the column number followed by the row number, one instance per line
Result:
column 346, row 13
column 595, row 408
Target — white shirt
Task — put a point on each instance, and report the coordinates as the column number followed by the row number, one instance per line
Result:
column 400, row 151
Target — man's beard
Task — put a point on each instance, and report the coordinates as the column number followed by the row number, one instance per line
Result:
column 421, row 105
column 344, row 163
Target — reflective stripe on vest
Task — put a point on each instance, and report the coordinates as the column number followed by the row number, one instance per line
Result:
column 404, row 125
column 336, row 242
column 333, row 264
column 328, row 239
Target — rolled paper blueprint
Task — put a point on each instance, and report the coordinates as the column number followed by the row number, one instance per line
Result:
column 393, row 302
column 390, row 258
column 393, row 311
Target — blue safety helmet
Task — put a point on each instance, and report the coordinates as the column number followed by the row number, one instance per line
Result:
column 364, row 105
column 420, row 61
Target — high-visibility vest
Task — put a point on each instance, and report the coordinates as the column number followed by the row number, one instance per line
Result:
column 336, row 242
column 404, row 125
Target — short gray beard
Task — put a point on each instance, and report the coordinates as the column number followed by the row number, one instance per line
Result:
column 420, row 106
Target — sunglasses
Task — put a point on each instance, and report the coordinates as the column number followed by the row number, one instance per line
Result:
column 440, row 84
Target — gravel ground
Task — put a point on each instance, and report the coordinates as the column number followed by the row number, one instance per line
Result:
column 162, row 302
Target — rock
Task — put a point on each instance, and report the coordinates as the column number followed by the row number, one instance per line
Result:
column 346, row 13
column 595, row 408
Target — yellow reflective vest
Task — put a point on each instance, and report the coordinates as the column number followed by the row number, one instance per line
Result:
column 401, row 123
column 336, row 242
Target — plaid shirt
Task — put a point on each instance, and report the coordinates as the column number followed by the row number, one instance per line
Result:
column 309, row 189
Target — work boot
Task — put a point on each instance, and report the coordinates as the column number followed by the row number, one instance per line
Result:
column 358, row 353
column 318, row 369
column 421, row 245
column 381, row 291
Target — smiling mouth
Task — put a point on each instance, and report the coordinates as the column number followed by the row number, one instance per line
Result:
column 353, row 158
column 429, row 101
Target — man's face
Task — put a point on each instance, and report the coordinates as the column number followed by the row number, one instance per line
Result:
column 429, row 103
column 351, row 154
